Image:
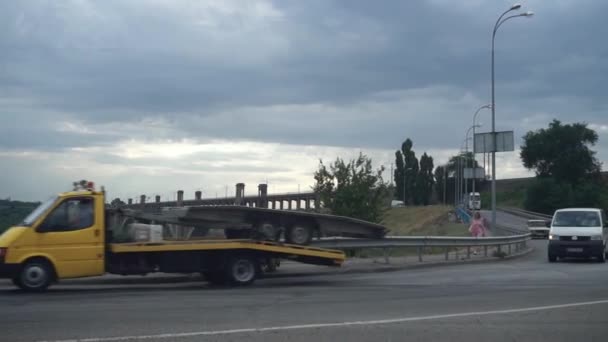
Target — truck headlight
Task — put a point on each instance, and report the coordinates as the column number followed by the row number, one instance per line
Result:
column 597, row 237
column 553, row 237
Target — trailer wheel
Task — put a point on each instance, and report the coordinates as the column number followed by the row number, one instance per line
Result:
column 241, row 270
column 35, row 276
column 299, row 234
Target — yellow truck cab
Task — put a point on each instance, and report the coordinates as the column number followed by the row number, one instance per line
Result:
column 66, row 237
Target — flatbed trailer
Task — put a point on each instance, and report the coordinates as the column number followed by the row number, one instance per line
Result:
column 297, row 227
column 67, row 237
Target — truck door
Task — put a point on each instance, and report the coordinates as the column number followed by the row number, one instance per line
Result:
column 72, row 234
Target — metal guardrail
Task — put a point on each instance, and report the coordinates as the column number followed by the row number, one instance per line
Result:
column 463, row 215
column 526, row 214
column 419, row 241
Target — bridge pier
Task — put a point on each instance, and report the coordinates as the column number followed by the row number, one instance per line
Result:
column 262, row 196
column 180, row 198
column 198, row 195
column 240, row 194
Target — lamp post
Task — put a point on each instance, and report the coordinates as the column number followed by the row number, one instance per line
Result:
column 466, row 154
column 498, row 23
column 462, row 164
column 474, row 123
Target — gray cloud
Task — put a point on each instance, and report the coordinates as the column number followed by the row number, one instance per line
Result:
column 355, row 74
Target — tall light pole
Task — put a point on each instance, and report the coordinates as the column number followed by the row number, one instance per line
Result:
column 498, row 23
column 466, row 154
column 462, row 165
column 475, row 123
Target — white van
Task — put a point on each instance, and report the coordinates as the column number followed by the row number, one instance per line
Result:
column 578, row 232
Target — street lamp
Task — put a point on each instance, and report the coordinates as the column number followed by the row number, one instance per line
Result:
column 498, row 23
column 474, row 123
column 466, row 154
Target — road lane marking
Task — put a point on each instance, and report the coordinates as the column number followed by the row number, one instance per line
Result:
column 330, row 325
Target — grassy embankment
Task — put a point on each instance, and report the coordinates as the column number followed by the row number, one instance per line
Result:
column 13, row 212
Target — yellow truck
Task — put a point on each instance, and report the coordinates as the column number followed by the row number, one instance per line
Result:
column 70, row 236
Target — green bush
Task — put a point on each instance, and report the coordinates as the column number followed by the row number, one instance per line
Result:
column 546, row 195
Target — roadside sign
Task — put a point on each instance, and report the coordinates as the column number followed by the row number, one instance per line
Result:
column 482, row 142
column 477, row 173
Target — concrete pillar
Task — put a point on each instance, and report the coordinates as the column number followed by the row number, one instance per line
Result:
column 180, row 198
column 240, row 194
column 198, row 195
column 307, row 204
column 142, row 199
column 281, row 202
column 298, row 203
column 274, row 204
column 157, row 198
column 289, row 204
column 130, row 201
column 262, row 196
column 317, row 204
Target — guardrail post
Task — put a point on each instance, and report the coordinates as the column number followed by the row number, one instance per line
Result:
column 447, row 253
column 485, row 250
column 386, row 253
column 419, row 254
column 468, row 252
column 499, row 249
column 509, row 248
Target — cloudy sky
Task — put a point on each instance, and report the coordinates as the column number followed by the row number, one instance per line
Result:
column 147, row 97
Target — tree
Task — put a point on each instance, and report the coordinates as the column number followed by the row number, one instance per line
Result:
column 425, row 180
column 440, row 182
column 399, row 176
column 117, row 203
column 406, row 172
column 562, row 152
column 352, row 188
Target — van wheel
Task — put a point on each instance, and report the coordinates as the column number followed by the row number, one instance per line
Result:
column 241, row 270
column 35, row 276
column 552, row 258
column 299, row 234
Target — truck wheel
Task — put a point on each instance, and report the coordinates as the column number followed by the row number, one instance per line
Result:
column 299, row 235
column 241, row 270
column 35, row 276
column 552, row 258
column 601, row 257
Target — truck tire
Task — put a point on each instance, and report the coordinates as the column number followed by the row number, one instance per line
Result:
column 35, row 276
column 299, row 234
column 601, row 257
column 241, row 270
column 552, row 258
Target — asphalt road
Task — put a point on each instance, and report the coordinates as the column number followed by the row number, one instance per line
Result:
column 524, row 299
column 504, row 219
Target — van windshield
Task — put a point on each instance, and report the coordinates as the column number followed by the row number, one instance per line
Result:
column 576, row 219
column 41, row 209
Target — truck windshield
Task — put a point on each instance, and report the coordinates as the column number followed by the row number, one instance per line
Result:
column 34, row 215
column 577, row 219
